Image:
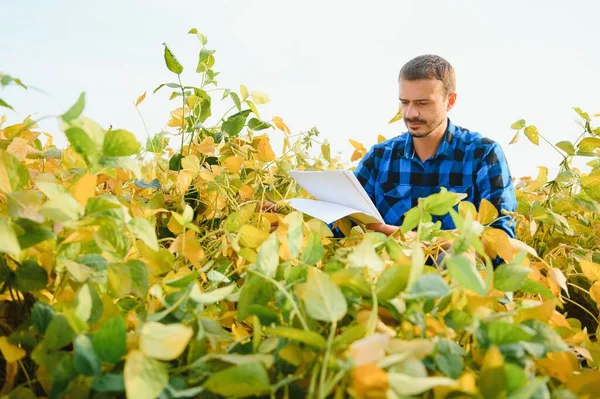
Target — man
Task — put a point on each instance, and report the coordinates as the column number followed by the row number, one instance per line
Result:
column 433, row 153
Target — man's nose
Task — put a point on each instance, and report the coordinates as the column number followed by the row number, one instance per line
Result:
column 411, row 112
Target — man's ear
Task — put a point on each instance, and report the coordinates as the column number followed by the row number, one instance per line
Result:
column 451, row 101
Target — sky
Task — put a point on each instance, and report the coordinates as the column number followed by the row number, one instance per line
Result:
column 329, row 64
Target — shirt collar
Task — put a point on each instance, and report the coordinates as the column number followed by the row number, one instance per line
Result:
column 445, row 148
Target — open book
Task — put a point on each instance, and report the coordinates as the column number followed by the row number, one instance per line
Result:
column 338, row 194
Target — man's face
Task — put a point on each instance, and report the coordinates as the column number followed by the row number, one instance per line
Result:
column 424, row 105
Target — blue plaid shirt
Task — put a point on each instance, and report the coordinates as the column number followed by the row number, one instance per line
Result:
column 465, row 162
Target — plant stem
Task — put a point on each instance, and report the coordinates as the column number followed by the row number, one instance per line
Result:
column 289, row 297
column 373, row 316
column 322, row 379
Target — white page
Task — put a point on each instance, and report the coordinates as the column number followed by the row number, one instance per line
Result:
column 338, row 187
column 328, row 211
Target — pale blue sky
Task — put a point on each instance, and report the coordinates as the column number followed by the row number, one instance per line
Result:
column 329, row 64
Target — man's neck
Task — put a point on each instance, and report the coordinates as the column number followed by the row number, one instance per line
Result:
column 426, row 147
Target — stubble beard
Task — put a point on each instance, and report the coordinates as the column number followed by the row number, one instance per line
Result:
column 429, row 128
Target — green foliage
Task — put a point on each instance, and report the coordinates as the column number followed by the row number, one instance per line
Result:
column 154, row 271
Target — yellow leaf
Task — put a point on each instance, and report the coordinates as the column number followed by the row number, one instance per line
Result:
column 586, row 384
column 251, row 236
column 243, row 92
column 559, row 365
column 20, row 148
column 184, row 179
column 556, row 276
column 381, row 138
column 239, row 332
column 543, row 312
column 192, row 101
column 164, row 341
column 281, row 125
column 140, row 99
column 207, row 147
column 177, row 118
column 84, row 188
column 515, row 138
column 595, row 293
column 498, row 242
column 260, row 98
column 10, row 375
column 246, row 192
column 189, row 246
column 397, row 117
column 233, row 164
column 265, row 151
column 253, row 108
column 11, row 352
column 591, row 270
column 487, row 212
column 369, row 380
column 356, row 145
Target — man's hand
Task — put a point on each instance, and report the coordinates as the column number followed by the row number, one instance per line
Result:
column 386, row 229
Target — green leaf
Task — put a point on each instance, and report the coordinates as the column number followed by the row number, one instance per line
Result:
column 531, row 389
column 75, row 110
column 5, row 104
column 257, row 125
column 206, row 60
column 182, row 281
column 391, row 282
column 9, row 243
column 591, row 186
column 199, row 35
column 532, row 134
column 589, row 144
column 109, row 383
column 515, row 376
column 128, row 278
column 364, row 255
column 172, row 63
column 31, row 277
column 254, row 291
column 411, row 219
column 267, row 258
column 520, row 124
column 62, row 208
column 440, row 203
column 313, row 251
column 428, row 286
column 59, row 333
column 120, row 143
column 113, row 241
column 535, row 287
column 110, row 341
column 546, row 336
column 236, row 100
column 323, row 299
column 294, row 234
column 234, row 124
column 510, row 277
column 567, row 147
column 237, row 219
column 13, row 174
column 463, row 270
column 242, row 380
column 143, row 229
column 308, row 337
column 503, row 333
column 85, row 360
column 144, row 377
column 41, row 316
column 82, row 144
